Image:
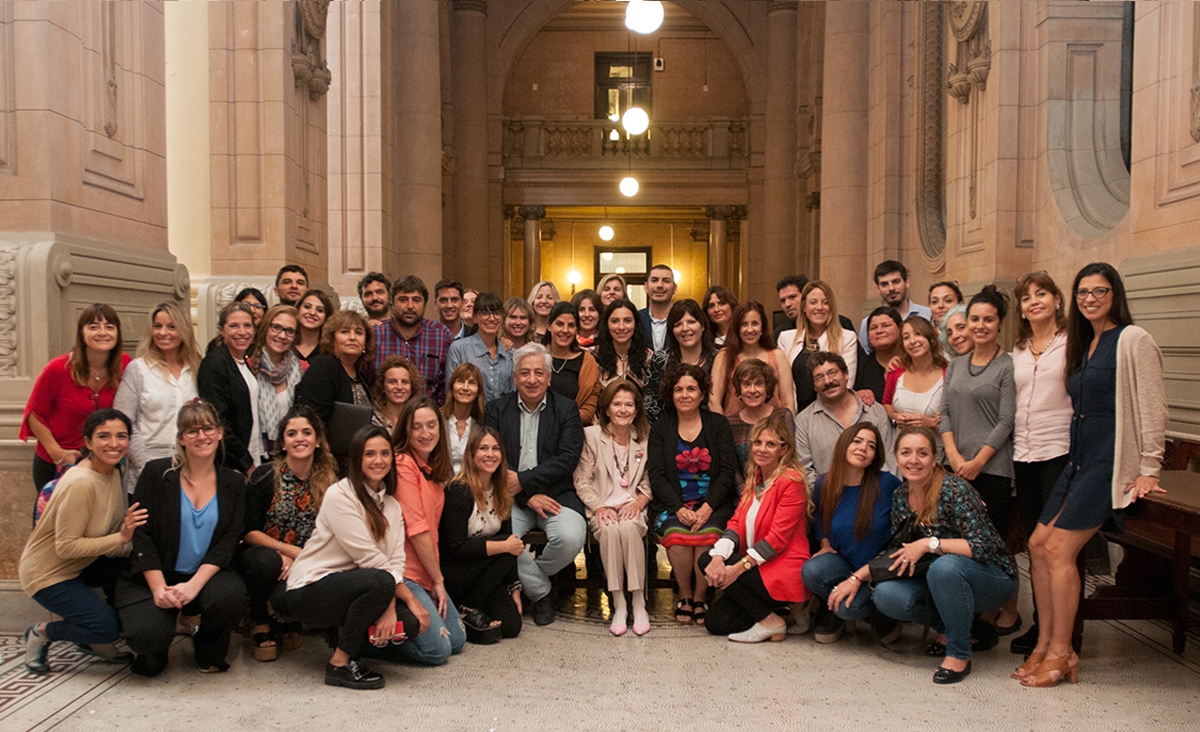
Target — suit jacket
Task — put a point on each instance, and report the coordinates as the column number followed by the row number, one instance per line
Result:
column 219, row 381
column 597, row 477
column 781, row 536
column 560, row 441
column 156, row 543
column 716, row 435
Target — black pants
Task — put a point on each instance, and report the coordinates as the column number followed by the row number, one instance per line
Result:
column 483, row 584
column 352, row 600
column 1035, row 482
column 996, row 492
column 741, row 604
column 43, row 472
column 259, row 567
column 149, row 629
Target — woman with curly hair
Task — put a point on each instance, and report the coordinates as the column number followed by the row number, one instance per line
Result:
column 692, row 465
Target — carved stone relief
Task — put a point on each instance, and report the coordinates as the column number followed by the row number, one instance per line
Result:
column 8, row 313
column 1195, row 126
column 8, row 138
column 967, row 76
column 308, row 62
column 930, row 177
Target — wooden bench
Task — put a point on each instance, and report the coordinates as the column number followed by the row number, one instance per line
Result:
column 1153, row 582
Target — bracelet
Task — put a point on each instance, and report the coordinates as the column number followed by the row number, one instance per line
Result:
column 278, row 545
column 855, row 578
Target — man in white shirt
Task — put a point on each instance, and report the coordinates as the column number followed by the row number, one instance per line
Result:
column 660, row 291
column 891, row 279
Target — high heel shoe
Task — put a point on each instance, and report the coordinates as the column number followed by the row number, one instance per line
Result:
column 1053, row 670
column 1029, row 667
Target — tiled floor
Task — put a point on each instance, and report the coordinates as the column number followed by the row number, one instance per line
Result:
column 573, row 675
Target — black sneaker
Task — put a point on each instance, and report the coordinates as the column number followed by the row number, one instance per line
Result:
column 543, row 610
column 1026, row 642
column 885, row 630
column 353, row 675
column 829, row 628
column 37, row 651
column 215, row 667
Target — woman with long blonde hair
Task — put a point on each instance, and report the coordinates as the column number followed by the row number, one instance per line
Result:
column 156, row 384
column 818, row 328
column 759, row 558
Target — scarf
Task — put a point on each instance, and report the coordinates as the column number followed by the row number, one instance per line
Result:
column 270, row 411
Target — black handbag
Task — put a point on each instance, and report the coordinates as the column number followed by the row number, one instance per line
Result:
column 881, row 566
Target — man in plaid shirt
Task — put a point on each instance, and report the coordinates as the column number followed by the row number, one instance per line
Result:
column 426, row 343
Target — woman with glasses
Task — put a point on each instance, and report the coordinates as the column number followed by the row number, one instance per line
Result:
column 486, row 349
column 195, row 516
column 1115, row 379
column 278, row 369
column 155, row 385
column 253, row 298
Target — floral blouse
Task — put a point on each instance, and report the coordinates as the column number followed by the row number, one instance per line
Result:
column 292, row 515
column 960, row 515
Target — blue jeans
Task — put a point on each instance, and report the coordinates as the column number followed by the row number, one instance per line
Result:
column 959, row 586
column 444, row 638
column 821, row 574
column 86, row 618
column 565, row 534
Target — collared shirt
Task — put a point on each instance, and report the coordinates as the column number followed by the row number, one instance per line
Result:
column 817, row 431
column 658, row 333
column 913, row 309
column 1043, row 423
column 497, row 372
column 530, row 419
column 460, row 332
column 428, row 350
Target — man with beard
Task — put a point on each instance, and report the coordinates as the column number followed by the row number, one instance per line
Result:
column 425, row 343
column 660, row 290
column 891, row 278
column 373, row 291
column 836, row 408
column 291, row 283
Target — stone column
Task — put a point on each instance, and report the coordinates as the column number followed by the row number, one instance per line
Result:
column 468, row 48
column 533, row 216
column 413, row 123
column 844, row 154
column 718, row 249
column 778, row 239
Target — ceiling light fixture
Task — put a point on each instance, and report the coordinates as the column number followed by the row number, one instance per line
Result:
column 643, row 16
column 635, row 121
column 629, row 186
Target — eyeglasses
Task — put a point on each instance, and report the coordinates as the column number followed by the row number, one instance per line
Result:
column 1097, row 292
column 489, row 314
column 278, row 329
column 207, row 430
column 255, row 306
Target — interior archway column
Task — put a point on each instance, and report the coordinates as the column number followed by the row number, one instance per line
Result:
column 468, row 75
column 533, row 216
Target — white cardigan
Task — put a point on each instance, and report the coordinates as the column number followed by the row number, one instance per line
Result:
column 1141, row 412
column 342, row 539
column 151, row 398
column 791, row 342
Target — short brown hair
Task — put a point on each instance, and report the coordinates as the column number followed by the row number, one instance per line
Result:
column 641, row 424
column 754, row 369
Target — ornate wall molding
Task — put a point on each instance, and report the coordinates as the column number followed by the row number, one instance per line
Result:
column 8, row 313
column 930, row 178
column 8, row 113
column 308, row 60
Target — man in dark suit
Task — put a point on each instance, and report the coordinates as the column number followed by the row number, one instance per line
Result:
column 543, row 439
column 660, row 291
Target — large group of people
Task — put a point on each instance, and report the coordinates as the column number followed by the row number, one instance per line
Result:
column 376, row 477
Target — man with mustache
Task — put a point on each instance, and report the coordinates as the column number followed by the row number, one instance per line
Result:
column 836, row 408
column 373, row 291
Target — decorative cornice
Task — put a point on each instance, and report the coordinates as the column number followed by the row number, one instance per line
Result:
column 532, row 212
column 779, row 6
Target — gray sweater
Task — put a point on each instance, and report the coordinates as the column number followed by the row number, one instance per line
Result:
column 980, row 410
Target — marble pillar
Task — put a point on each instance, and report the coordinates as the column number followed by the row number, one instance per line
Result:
column 718, row 244
column 468, row 49
column 778, row 239
column 413, row 124
column 533, row 216
column 844, row 126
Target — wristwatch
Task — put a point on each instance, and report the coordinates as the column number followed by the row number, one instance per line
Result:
column 935, row 545
column 747, row 564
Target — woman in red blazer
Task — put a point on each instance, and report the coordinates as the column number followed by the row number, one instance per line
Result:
column 757, row 561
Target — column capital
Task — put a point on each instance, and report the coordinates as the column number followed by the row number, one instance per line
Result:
column 719, row 213
column 478, row 6
column 508, row 211
column 778, row 6
column 532, row 212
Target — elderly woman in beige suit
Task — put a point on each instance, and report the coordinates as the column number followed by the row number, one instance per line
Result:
column 612, row 482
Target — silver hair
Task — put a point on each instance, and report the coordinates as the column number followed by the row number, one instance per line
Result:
column 528, row 350
column 944, row 326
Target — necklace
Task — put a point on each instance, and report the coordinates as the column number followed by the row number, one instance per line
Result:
column 1035, row 351
column 558, row 369
column 622, row 469
column 971, row 367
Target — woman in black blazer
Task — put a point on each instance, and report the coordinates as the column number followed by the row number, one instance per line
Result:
column 478, row 548
column 343, row 372
column 692, row 465
column 226, row 381
column 182, row 566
